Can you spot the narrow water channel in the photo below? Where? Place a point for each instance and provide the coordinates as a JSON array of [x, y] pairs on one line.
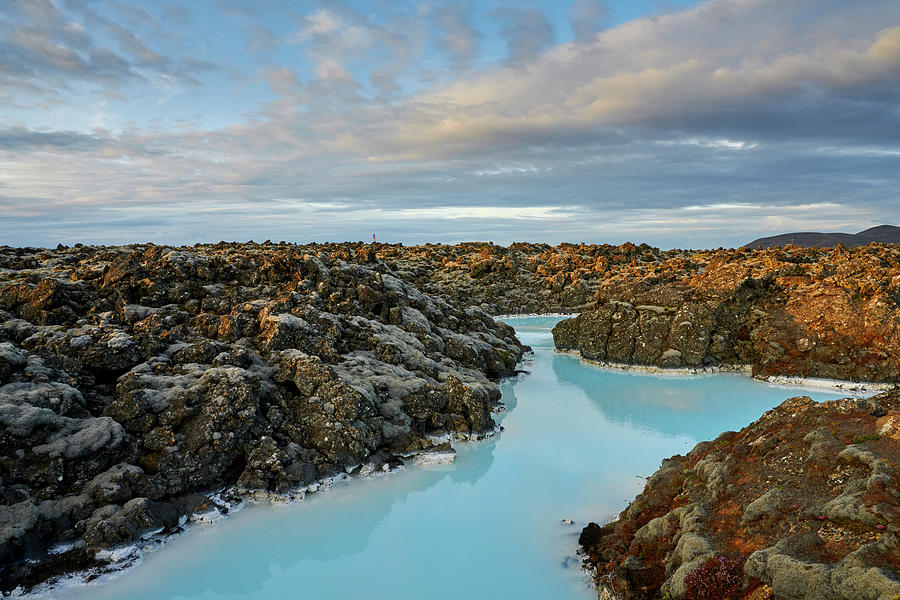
[[577, 443]]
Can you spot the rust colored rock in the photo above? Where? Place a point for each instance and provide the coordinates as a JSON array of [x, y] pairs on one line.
[[796, 312], [809, 494]]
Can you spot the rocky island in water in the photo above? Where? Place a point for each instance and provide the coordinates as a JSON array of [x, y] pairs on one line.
[[144, 387]]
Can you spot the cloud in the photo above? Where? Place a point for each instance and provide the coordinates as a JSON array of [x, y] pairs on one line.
[[37, 10], [322, 23], [21, 139], [46, 50], [779, 112], [136, 17], [527, 33], [177, 14], [282, 80], [456, 33], [336, 38], [587, 17], [748, 78], [261, 39], [129, 42], [32, 54]]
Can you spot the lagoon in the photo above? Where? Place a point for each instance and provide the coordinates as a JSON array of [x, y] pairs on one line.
[[577, 443]]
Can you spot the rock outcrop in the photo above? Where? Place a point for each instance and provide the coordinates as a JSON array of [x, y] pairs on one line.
[[805, 502], [796, 312], [135, 381], [520, 278]]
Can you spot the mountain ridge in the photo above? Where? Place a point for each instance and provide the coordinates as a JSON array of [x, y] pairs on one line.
[[885, 234]]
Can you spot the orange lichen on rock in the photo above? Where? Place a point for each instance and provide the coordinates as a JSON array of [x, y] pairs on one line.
[[797, 312], [809, 494]]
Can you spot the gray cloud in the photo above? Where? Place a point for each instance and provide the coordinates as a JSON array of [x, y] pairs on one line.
[[587, 17], [599, 192], [45, 49], [135, 17], [181, 69], [282, 80], [37, 10], [31, 53], [261, 39], [20, 139], [129, 42], [177, 15], [527, 33], [456, 33]]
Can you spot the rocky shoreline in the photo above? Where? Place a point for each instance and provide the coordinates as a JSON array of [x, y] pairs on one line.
[[810, 313], [137, 382], [853, 388], [803, 503], [92, 566]]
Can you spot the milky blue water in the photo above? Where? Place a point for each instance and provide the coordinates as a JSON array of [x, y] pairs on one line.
[[577, 442]]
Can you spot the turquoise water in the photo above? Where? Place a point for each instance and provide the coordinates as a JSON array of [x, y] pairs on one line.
[[576, 443]]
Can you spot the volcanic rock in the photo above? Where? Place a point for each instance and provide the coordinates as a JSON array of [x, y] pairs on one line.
[[137, 380], [808, 496], [796, 312]]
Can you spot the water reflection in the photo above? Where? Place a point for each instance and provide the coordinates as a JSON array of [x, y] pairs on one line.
[[256, 545], [327, 527], [478, 461], [508, 389], [693, 405]]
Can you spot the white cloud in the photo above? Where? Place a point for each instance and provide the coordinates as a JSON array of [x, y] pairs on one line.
[[543, 213], [318, 22], [653, 71], [721, 143]]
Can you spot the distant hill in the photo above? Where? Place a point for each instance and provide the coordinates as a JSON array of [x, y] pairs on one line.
[[886, 234]]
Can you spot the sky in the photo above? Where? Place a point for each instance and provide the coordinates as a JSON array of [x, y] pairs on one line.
[[678, 123]]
